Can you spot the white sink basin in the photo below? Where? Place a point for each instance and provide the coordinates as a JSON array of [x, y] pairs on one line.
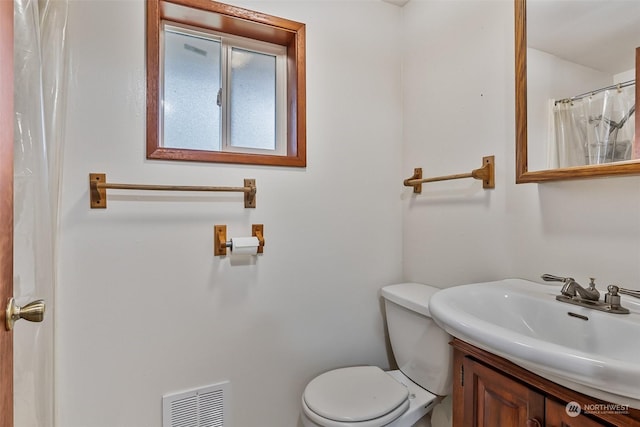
[[522, 322]]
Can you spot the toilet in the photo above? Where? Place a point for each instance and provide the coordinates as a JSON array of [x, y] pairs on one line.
[[367, 396]]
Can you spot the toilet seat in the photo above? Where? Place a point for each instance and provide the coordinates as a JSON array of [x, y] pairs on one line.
[[362, 396]]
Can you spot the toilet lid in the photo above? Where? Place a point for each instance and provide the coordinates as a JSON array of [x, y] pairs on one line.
[[354, 394]]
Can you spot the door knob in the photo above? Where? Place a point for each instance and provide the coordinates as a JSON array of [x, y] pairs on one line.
[[33, 312]]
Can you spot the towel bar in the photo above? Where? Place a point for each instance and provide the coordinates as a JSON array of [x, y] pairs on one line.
[[484, 173], [98, 186]]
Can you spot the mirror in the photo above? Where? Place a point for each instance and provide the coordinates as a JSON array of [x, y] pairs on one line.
[[576, 67]]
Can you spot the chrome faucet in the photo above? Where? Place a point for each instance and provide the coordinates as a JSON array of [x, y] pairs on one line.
[[589, 297], [570, 287]]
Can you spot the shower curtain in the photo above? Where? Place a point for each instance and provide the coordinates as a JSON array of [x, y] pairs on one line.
[[39, 95], [570, 134], [595, 129]]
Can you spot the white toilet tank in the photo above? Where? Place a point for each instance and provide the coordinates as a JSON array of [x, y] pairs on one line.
[[421, 348]]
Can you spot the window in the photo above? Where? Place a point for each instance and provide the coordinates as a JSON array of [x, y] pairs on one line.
[[224, 84], [221, 93]]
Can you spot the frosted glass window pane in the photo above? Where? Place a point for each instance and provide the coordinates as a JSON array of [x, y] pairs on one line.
[[253, 100], [191, 85]]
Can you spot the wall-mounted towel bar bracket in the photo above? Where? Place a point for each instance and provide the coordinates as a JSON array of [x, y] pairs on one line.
[[220, 242], [98, 186], [484, 173]]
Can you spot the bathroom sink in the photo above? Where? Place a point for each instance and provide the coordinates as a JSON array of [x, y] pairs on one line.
[[592, 352]]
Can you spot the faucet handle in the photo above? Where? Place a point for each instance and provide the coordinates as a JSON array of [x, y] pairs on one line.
[[552, 278], [630, 292], [568, 284], [592, 283], [613, 290]]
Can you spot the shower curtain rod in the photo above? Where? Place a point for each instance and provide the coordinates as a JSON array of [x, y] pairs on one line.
[[593, 92]]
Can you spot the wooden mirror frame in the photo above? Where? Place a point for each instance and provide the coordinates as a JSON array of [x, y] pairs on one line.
[[523, 175]]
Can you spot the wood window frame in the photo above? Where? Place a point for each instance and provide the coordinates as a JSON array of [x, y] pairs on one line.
[[241, 22]]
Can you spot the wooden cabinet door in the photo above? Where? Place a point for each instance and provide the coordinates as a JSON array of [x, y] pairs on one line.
[[492, 399], [557, 416]]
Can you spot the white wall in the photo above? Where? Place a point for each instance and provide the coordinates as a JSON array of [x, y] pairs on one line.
[[144, 308], [459, 106]]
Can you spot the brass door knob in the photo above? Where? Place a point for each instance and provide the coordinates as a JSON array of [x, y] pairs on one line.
[[33, 312]]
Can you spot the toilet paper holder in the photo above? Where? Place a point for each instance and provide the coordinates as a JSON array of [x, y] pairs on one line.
[[221, 243]]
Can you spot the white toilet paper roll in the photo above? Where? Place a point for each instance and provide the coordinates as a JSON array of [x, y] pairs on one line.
[[244, 245]]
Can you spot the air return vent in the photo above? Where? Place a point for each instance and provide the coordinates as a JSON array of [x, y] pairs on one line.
[[202, 407]]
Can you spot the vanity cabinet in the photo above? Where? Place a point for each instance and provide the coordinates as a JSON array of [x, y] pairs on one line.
[[496, 399], [489, 391]]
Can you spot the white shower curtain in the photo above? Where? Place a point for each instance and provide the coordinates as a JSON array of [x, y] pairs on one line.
[[595, 129], [40, 75], [570, 134]]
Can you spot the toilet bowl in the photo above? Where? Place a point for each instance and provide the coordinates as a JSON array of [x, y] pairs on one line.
[[367, 396]]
